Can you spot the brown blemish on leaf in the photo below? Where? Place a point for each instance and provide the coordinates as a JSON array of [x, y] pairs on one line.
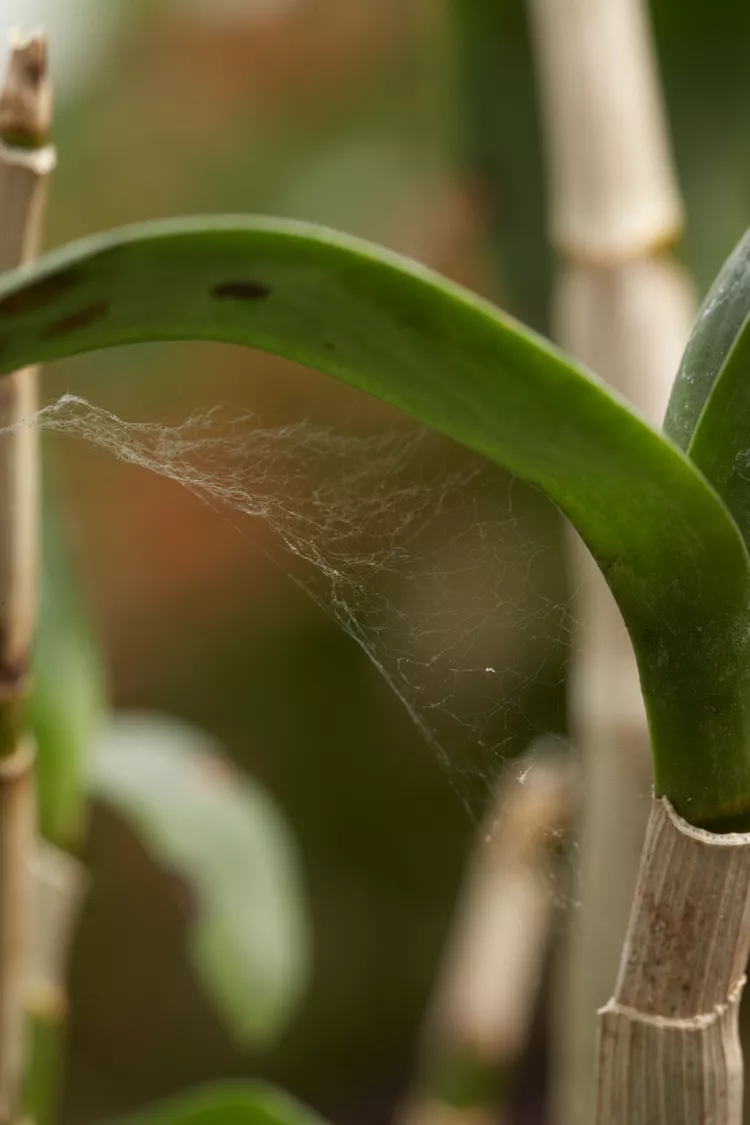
[[241, 291], [79, 319], [40, 294]]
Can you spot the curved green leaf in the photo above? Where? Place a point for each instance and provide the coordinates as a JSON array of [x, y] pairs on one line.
[[227, 1103], [721, 443], [219, 832], [717, 326], [666, 544], [716, 400]]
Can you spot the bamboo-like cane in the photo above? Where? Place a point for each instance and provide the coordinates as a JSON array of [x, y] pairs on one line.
[[25, 163], [485, 995], [17, 822], [626, 312], [59, 884], [669, 1047]]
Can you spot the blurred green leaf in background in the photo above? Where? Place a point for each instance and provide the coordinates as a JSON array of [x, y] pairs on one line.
[[229, 1103], [220, 834]]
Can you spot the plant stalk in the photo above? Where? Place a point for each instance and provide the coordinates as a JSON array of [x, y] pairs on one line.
[[669, 1047], [486, 992], [25, 163], [59, 883], [625, 311], [17, 824]]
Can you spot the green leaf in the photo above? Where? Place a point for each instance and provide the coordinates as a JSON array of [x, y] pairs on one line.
[[721, 443], [666, 544], [68, 703], [227, 1103], [220, 833], [716, 329], [718, 403]]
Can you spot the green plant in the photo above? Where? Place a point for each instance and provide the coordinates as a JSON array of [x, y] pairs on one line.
[[665, 527], [668, 547], [214, 830]]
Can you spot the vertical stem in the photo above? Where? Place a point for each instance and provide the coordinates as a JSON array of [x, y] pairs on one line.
[[669, 1048], [25, 162], [17, 822], [486, 993], [614, 192], [626, 312], [59, 884]]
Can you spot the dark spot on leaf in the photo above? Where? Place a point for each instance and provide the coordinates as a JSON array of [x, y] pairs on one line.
[[40, 294], [79, 319], [241, 291], [329, 346]]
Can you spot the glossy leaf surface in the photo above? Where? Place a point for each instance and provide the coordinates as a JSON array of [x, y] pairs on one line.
[[710, 404], [666, 544], [717, 326]]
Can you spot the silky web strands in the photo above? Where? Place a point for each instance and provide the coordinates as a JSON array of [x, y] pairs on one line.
[[435, 563]]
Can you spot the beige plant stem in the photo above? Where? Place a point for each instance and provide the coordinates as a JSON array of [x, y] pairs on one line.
[[669, 1048], [24, 172], [485, 994], [615, 197], [626, 312], [59, 884], [17, 823], [25, 163]]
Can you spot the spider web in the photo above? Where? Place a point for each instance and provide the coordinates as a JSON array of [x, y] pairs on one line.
[[427, 556]]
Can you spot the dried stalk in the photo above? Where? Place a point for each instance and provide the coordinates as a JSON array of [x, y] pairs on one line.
[[669, 1047], [25, 163], [59, 883], [626, 312], [615, 196], [485, 996], [24, 172], [17, 823]]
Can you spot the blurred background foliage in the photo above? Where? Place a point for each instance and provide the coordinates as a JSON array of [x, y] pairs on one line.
[[414, 123]]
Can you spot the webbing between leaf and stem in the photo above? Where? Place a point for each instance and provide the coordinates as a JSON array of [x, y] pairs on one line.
[[668, 547]]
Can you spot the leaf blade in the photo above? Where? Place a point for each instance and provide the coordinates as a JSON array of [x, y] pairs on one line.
[[720, 445], [227, 1103], [716, 329], [710, 406], [222, 836], [668, 547]]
